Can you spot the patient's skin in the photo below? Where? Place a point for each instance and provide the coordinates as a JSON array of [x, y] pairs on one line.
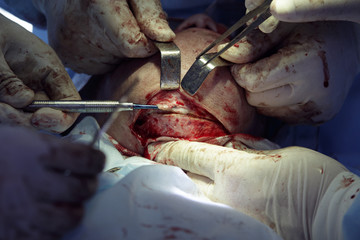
[[218, 108]]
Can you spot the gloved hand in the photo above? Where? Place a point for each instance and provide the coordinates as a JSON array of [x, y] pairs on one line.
[[307, 11], [93, 36], [298, 192], [30, 69], [303, 79], [44, 183]]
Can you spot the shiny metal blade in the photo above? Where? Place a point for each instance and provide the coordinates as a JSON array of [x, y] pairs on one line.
[[199, 71], [170, 65]]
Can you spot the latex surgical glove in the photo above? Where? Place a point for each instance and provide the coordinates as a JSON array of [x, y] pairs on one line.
[[269, 24], [299, 193], [30, 69], [307, 11], [44, 183], [94, 36], [303, 79]]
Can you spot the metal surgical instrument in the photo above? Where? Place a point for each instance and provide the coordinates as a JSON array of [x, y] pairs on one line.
[[170, 65], [86, 106], [205, 63]]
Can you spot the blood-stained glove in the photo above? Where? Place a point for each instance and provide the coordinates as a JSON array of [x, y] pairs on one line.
[[300, 193], [44, 183], [30, 69], [93, 36], [307, 11], [305, 77]]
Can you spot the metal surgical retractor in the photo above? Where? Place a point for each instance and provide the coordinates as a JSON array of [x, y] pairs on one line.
[[170, 65]]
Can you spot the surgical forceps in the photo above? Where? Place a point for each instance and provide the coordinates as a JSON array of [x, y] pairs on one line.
[[202, 67]]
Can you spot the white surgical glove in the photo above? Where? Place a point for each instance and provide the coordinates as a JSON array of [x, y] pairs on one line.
[[93, 36], [269, 24], [44, 183], [303, 79], [300, 193], [30, 69], [307, 11]]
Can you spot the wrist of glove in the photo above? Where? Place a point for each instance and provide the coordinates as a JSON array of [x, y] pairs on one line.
[[283, 188], [94, 36]]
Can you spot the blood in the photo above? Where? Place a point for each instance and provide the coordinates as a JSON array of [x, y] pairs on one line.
[[347, 182], [322, 55], [184, 120], [176, 229], [229, 109], [149, 95]]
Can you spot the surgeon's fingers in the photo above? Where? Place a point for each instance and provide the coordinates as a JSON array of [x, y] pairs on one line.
[[12, 90], [256, 44], [74, 158], [122, 28], [286, 66], [199, 158], [57, 86], [152, 19], [52, 120], [309, 11], [61, 187], [57, 218], [38, 66], [10, 115], [269, 24], [252, 4], [204, 184], [184, 155]]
